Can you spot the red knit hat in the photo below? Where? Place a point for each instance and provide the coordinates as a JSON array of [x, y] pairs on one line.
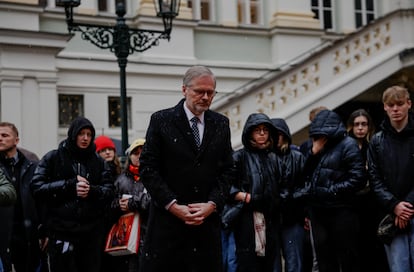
[[103, 142]]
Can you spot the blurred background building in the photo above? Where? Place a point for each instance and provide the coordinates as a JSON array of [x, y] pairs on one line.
[[282, 58]]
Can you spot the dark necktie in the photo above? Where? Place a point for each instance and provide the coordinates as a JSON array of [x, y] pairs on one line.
[[194, 127]]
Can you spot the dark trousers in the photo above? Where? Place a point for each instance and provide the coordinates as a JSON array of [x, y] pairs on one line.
[[336, 233], [24, 256], [83, 255]]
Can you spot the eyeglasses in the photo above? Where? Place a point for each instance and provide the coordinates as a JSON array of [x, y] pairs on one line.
[[201, 93], [362, 124]]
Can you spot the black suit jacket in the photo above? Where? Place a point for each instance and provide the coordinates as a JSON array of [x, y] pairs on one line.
[[173, 167]]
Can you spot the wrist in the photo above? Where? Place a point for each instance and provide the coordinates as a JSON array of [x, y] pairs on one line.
[[246, 198]]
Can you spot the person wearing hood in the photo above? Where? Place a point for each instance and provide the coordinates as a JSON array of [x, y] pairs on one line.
[[292, 210], [74, 185], [334, 172], [258, 173], [131, 196], [390, 167]]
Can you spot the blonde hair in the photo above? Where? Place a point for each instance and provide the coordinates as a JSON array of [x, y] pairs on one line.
[[395, 94], [315, 111]]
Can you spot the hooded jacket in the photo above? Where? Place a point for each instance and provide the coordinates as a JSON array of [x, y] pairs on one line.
[[335, 174], [258, 172], [54, 184], [390, 164], [294, 161]]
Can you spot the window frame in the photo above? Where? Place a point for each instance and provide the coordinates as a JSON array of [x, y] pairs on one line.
[[320, 14], [115, 114], [364, 12], [71, 116]]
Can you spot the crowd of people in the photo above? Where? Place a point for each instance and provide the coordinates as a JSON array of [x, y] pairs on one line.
[[269, 206]]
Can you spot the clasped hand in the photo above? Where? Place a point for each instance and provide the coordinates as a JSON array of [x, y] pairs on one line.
[[192, 214], [403, 211], [82, 187]]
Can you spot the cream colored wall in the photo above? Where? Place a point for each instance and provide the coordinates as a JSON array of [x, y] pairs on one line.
[[39, 60]]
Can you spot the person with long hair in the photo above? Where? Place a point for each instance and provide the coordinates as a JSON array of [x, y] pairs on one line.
[[360, 126], [106, 148]]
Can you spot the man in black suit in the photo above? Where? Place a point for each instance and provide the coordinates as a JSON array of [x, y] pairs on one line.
[[187, 176]]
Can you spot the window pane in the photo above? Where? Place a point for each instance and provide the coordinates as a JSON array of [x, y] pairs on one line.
[[327, 3], [114, 111], [253, 14], [369, 5], [314, 3], [327, 19], [358, 19], [102, 5], [70, 107], [358, 4], [205, 10]]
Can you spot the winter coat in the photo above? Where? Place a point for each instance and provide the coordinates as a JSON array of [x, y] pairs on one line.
[[293, 161], [140, 200], [258, 172], [335, 174], [7, 191], [54, 184], [21, 220], [390, 164], [30, 220], [173, 167]]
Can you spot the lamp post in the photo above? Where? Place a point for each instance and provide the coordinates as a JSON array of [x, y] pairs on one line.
[[123, 40]]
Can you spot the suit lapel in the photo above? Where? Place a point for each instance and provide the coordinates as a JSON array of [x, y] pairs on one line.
[[209, 130]]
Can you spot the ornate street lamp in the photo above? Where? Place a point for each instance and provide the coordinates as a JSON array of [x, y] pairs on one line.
[[123, 40]]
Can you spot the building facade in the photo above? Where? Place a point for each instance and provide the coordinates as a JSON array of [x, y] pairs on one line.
[[260, 50]]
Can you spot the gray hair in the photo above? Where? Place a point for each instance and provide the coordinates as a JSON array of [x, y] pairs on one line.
[[197, 71]]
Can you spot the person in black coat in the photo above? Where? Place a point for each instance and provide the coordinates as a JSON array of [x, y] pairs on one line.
[[390, 167], [360, 126], [334, 172], [258, 174], [188, 183], [292, 210], [19, 246], [74, 185]]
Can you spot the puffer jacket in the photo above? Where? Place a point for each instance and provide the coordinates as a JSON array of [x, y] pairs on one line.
[[335, 174], [258, 172], [54, 185], [390, 164], [294, 161]]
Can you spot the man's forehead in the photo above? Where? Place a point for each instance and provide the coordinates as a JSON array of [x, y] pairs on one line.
[[6, 130]]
